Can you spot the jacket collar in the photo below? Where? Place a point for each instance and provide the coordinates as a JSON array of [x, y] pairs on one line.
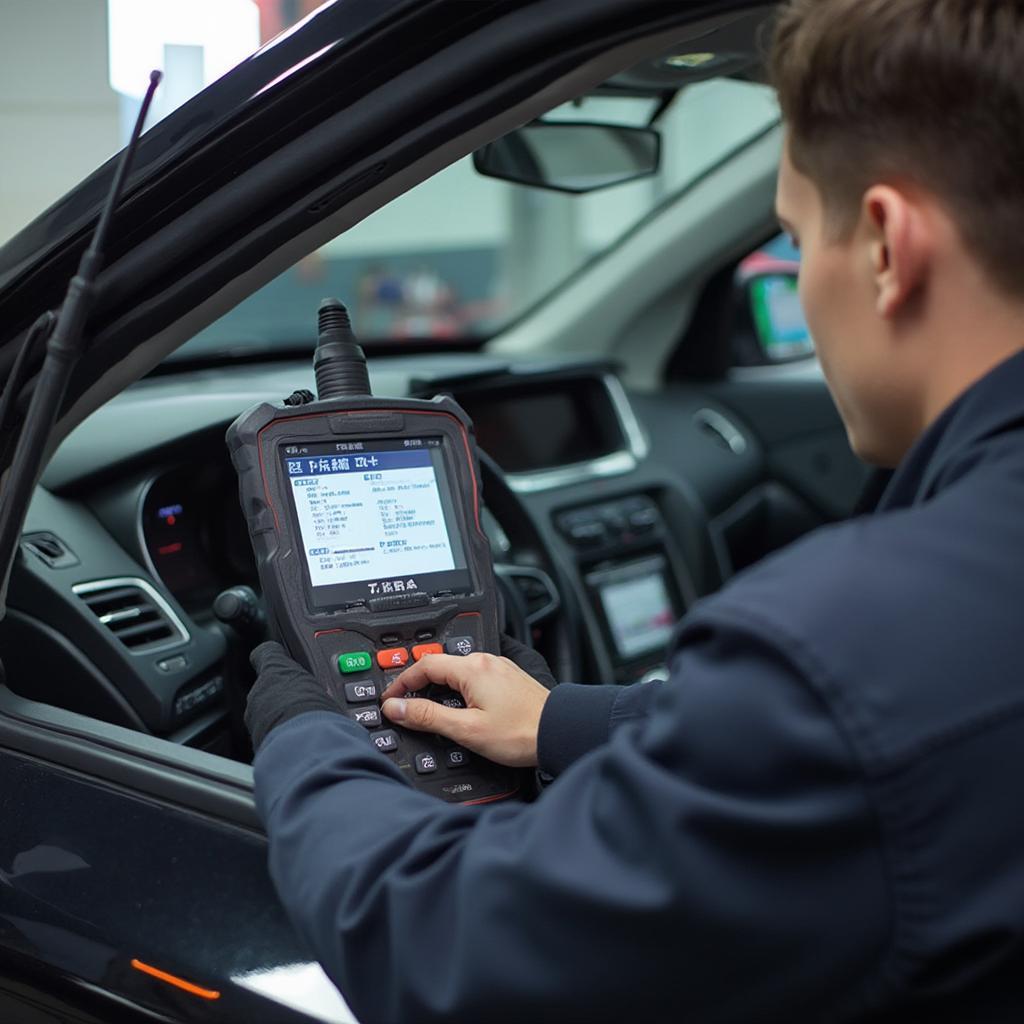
[[992, 405]]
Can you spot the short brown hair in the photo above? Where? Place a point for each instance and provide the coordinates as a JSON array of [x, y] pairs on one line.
[[926, 91]]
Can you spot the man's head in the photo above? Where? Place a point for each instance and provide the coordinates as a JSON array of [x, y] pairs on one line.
[[903, 181]]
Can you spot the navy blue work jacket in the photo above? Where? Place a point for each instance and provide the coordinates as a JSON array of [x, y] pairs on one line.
[[819, 816]]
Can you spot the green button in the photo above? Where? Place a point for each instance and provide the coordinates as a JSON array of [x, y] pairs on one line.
[[356, 661]]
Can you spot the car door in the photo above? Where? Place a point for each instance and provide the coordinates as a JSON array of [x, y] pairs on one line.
[[134, 890], [134, 871]]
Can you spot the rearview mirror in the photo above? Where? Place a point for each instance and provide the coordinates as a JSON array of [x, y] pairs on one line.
[[571, 156], [780, 328]]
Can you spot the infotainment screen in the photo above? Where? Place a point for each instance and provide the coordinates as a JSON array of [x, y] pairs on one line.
[[637, 605], [375, 518], [544, 424]]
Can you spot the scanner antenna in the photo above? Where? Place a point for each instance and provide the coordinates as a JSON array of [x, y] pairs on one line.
[[63, 351]]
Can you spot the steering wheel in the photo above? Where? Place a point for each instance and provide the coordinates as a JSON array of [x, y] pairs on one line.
[[535, 592]]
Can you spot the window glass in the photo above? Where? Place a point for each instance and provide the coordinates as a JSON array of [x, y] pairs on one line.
[[462, 255]]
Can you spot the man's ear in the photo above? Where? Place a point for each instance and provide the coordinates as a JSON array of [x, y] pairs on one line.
[[898, 247]]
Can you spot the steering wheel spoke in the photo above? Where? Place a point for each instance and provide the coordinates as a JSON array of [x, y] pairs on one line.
[[540, 598], [536, 594]]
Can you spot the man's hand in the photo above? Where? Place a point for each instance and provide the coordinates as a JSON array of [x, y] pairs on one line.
[[503, 703]]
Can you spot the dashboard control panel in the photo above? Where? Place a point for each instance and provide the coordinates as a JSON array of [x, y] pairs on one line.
[[633, 585], [612, 525]]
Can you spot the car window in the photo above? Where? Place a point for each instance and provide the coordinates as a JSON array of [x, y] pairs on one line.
[[461, 255]]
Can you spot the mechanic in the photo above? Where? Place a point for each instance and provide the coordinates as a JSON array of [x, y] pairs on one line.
[[819, 815]]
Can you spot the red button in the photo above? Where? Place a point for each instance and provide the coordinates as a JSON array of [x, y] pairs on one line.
[[393, 657], [420, 649]]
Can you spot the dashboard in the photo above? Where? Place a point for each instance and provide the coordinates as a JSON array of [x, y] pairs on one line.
[[608, 513], [193, 534]]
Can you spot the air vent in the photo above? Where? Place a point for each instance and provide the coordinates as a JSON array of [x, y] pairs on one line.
[[134, 612]]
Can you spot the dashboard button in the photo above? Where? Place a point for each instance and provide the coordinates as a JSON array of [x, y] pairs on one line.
[[356, 692], [643, 519], [354, 661], [585, 534], [425, 764], [176, 664], [423, 635], [460, 645], [457, 758], [421, 649], [393, 657]]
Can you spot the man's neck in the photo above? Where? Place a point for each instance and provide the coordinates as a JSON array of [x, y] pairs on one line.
[[970, 331]]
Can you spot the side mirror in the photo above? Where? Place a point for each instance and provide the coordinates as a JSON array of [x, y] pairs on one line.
[[571, 156], [770, 306]]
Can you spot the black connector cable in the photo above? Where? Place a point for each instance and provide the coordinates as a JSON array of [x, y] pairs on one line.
[[62, 353]]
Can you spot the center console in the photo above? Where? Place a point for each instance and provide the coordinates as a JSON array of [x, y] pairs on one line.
[[575, 429], [634, 585]]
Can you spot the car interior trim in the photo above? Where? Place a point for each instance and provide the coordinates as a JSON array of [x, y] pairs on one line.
[[714, 422], [614, 464], [140, 530], [552, 602], [114, 703], [185, 776]]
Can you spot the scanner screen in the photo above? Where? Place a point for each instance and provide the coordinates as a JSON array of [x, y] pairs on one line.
[[374, 511]]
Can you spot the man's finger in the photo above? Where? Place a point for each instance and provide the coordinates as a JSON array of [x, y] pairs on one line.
[[427, 716], [449, 670], [411, 679]]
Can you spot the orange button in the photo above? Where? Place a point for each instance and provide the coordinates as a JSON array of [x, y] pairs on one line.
[[420, 649], [393, 657]]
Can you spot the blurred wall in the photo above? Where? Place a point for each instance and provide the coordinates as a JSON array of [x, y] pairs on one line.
[[51, 136]]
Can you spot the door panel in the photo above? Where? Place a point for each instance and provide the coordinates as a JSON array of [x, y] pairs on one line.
[[96, 878]]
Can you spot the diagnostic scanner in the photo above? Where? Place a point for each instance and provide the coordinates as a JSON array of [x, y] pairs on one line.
[[364, 515]]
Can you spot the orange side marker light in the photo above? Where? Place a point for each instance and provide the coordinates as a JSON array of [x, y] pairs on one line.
[[185, 986]]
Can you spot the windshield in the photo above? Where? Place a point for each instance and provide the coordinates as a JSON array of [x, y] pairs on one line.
[[460, 256]]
